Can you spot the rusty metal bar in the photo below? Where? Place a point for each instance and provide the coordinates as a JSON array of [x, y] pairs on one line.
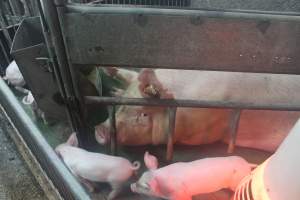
[[188, 103], [234, 125], [171, 132], [113, 131]]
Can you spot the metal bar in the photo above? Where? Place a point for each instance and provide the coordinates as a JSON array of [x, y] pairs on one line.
[[234, 125], [113, 131], [3, 25], [234, 14], [171, 132], [53, 23], [54, 63], [4, 52], [61, 177], [188, 103], [15, 8], [221, 48]]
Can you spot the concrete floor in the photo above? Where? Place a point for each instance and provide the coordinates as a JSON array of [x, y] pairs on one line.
[[16, 180]]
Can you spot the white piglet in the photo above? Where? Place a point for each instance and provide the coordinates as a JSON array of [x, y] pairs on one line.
[[14, 77], [182, 180], [96, 167]]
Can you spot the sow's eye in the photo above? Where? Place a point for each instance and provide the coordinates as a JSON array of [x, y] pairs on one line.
[[144, 115]]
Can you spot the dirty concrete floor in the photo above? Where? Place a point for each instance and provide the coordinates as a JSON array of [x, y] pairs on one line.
[[16, 180]]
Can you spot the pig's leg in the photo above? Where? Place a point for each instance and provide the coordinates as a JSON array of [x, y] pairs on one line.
[[22, 90], [88, 184], [116, 188]]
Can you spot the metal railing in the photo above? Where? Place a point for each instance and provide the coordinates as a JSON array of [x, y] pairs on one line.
[[75, 43]]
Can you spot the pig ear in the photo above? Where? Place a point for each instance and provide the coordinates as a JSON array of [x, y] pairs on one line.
[[150, 161], [72, 141], [148, 84]]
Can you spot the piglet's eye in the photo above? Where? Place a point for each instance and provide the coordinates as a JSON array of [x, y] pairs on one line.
[[144, 115]]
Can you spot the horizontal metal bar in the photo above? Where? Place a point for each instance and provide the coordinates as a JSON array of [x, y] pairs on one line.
[[182, 39], [239, 14], [188, 103]]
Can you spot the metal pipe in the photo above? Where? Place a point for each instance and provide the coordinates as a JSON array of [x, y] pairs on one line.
[[233, 129], [171, 132], [64, 181], [52, 19], [188, 103], [233, 14], [113, 131], [3, 25], [54, 63]]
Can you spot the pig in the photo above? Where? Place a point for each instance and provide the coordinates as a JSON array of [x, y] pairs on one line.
[[96, 167], [36, 111], [15, 78], [264, 129], [182, 180]]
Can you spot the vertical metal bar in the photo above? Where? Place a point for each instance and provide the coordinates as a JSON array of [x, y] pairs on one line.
[[113, 130], [234, 125], [58, 51], [4, 52], [3, 25], [171, 131]]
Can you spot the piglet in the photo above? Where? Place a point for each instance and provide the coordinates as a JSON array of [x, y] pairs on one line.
[[96, 167], [14, 77], [36, 111], [182, 180]]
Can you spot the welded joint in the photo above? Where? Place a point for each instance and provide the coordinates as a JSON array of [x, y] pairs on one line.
[[233, 129], [171, 131]]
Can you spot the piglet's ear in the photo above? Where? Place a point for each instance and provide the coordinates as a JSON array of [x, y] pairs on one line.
[[150, 161], [72, 141]]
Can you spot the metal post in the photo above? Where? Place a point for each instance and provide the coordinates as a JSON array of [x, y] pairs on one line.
[[4, 52], [234, 125], [3, 25], [15, 7], [171, 131], [113, 131], [64, 71]]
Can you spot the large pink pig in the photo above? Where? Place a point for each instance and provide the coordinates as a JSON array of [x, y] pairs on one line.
[[137, 125], [96, 167], [182, 180]]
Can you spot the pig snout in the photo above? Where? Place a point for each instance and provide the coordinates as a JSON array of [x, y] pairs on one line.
[[102, 134]]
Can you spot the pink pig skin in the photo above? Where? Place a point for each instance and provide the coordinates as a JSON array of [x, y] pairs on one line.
[[96, 167], [181, 181], [137, 125]]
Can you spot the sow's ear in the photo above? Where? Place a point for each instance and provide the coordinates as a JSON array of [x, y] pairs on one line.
[[150, 161], [72, 141], [148, 84]]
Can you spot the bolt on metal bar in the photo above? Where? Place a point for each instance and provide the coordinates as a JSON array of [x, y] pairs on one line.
[[113, 131], [188, 103], [171, 132], [234, 125]]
